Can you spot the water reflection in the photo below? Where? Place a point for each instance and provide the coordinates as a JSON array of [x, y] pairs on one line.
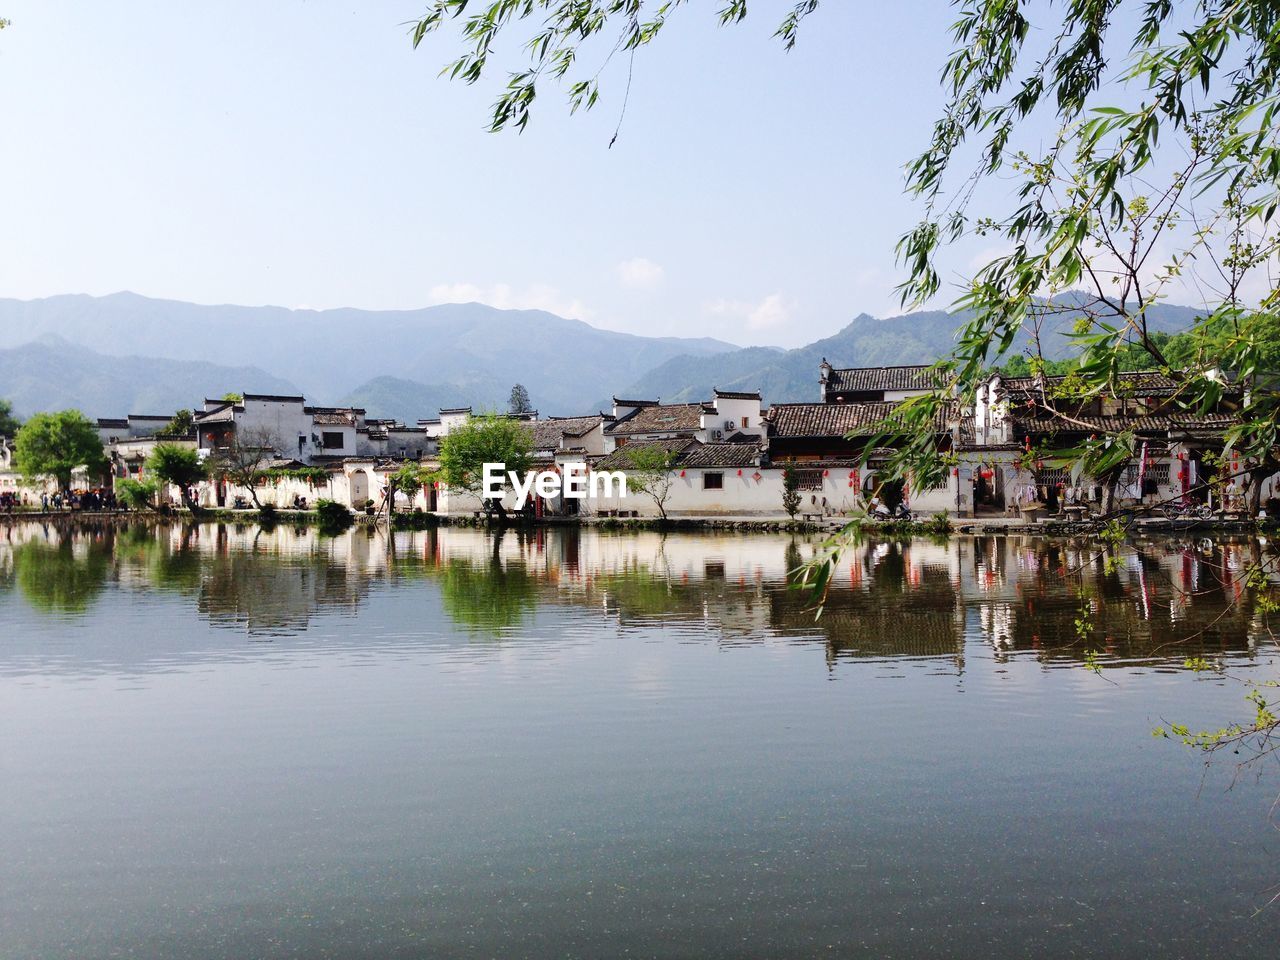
[[576, 743], [1152, 601]]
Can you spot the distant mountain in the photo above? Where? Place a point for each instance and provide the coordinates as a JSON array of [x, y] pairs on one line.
[[478, 350], [792, 375], [408, 401], [52, 374]]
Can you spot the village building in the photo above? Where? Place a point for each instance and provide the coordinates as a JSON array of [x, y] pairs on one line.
[[718, 479], [728, 417], [875, 384], [1019, 421]]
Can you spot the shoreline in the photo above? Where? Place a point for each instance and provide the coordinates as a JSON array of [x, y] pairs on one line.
[[966, 526]]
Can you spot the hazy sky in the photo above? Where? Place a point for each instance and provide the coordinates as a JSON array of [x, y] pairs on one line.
[[301, 153]]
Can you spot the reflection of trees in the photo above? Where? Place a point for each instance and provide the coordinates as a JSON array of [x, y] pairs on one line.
[[490, 597], [148, 553], [60, 578]]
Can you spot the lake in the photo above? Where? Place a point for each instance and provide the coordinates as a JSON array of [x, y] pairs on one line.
[[223, 741]]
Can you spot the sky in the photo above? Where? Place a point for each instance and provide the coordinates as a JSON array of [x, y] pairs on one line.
[[303, 154]]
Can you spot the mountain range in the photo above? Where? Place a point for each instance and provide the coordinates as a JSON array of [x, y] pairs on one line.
[[126, 353]]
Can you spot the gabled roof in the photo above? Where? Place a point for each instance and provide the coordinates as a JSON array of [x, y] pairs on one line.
[[1043, 421], [688, 453], [660, 418], [1137, 383], [871, 379], [703, 455], [840, 419], [547, 434], [335, 418]]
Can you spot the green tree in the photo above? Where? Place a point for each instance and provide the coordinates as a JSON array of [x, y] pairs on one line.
[[137, 494], [183, 424], [56, 444], [649, 470], [409, 478], [519, 401], [790, 491], [178, 466], [9, 424], [487, 438]]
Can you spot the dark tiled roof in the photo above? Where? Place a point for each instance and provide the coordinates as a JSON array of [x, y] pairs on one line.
[[445, 410], [688, 453], [620, 402], [837, 419], [660, 418], [334, 419], [1138, 383], [736, 394], [919, 377], [1045, 422], [701, 455], [105, 422], [547, 434], [224, 413], [620, 459], [273, 398]]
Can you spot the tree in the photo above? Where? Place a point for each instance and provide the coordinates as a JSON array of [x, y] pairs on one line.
[[487, 438], [183, 424], [410, 477], [179, 466], [56, 444], [519, 402], [649, 471], [137, 494], [244, 459], [790, 491], [9, 424]]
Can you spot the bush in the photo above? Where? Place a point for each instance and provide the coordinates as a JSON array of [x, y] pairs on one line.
[[333, 515], [136, 494]]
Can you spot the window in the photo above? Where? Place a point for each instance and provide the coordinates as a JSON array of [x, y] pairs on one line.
[[713, 481], [808, 479], [332, 440], [746, 422]]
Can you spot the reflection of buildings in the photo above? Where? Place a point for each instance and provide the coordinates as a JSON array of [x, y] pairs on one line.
[[952, 601]]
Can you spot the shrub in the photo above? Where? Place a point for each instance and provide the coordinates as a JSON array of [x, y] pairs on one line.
[[136, 494], [333, 515]]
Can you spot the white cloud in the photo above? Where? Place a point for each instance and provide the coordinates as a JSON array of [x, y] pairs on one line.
[[639, 273], [772, 312], [538, 296]]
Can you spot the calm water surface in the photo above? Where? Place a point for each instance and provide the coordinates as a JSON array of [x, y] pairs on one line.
[[220, 741]]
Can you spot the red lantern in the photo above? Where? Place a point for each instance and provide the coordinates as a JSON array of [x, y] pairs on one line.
[[826, 473], [682, 473], [739, 473]]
